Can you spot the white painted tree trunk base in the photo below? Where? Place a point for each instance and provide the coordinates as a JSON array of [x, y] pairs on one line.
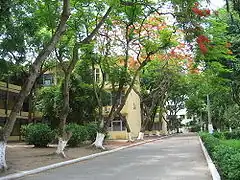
[[140, 136], [230, 129], [130, 139], [158, 133], [61, 146], [3, 164], [98, 143], [210, 128]]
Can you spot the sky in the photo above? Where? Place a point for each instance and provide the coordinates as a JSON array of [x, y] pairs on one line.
[[215, 4]]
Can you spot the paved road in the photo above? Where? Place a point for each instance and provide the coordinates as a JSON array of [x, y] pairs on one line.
[[175, 158]]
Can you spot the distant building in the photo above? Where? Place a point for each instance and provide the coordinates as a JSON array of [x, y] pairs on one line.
[[131, 111], [185, 119], [8, 96]]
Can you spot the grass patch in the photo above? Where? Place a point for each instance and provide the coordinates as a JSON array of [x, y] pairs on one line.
[[232, 142]]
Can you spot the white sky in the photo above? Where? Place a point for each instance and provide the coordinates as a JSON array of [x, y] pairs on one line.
[[215, 4]]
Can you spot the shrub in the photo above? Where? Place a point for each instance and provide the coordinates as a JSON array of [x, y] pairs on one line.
[[25, 129], [232, 135], [195, 128], [234, 167], [236, 134], [219, 135], [227, 158], [210, 142], [40, 135], [232, 142], [92, 129], [228, 161], [79, 134]]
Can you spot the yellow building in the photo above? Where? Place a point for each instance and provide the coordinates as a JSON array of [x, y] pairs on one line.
[[8, 95], [131, 111]]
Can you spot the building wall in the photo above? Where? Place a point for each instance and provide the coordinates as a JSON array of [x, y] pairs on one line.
[[117, 134], [134, 113], [8, 95]]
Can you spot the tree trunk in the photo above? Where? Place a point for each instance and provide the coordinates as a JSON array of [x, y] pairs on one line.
[[144, 122], [65, 108], [63, 135], [129, 133], [62, 143], [98, 143], [3, 163], [34, 71], [30, 106]]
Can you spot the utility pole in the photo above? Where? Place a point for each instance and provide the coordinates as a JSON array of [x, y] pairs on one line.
[[210, 126]]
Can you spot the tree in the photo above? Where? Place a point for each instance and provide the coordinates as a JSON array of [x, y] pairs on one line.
[[65, 51], [33, 73], [177, 95], [140, 37], [161, 81]]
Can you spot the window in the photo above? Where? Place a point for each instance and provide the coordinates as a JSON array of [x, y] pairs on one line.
[[117, 125], [134, 106], [47, 82], [47, 79], [97, 75]]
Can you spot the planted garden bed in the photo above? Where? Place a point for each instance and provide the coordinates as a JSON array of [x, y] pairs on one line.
[[225, 152]]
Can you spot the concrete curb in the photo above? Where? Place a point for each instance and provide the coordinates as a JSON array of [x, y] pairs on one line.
[[52, 166], [213, 170]]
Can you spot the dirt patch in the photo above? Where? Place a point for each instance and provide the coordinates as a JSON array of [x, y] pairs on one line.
[[21, 157]]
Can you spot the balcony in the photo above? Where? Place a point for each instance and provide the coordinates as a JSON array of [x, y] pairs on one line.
[[22, 114], [11, 87]]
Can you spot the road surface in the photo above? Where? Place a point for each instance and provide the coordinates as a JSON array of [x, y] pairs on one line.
[[174, 158]]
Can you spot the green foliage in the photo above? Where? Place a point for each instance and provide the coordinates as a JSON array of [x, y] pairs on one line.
[[225, 155], [81, 93], [82, 102], [210, 142], [219, 135], [92, 129], [25, 129], [48, 102], [232, 135], [40, 135], [228, 135], [232, 142], [232, 116], [79, 134], [195, 128]]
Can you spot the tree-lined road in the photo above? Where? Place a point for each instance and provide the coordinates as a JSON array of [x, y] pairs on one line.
[[175, 158]]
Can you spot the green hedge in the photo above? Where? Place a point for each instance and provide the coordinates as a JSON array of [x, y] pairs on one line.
[[79, 134], [92, 129], [40, 135], [232, 135], [226, 158], [227, 135]]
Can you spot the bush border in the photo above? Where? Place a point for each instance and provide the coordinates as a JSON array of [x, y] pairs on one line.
[[211, 166]]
